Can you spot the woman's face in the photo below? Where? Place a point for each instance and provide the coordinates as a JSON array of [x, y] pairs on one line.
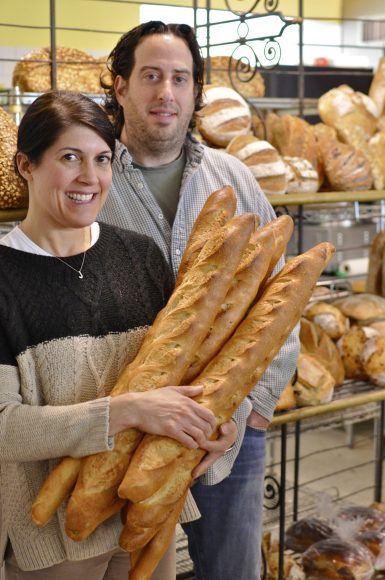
[[69, 186]]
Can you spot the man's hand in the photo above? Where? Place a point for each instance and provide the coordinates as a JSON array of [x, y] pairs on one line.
[[256, 421], [228, 434]]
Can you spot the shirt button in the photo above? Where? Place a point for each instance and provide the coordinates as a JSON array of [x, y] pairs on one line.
[[177, 252], [140, 185], [160, 216]]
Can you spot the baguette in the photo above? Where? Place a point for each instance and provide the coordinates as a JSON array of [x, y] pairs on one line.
[[165, 354], [238, 366], [219, 208], [146, 560], [266, 247], [56, 487]]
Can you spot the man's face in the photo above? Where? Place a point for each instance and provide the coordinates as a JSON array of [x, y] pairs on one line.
[[158, 98]]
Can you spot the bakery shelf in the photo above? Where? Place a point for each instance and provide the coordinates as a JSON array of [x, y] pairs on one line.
[[325, 197], [354, 401], [11, 215]]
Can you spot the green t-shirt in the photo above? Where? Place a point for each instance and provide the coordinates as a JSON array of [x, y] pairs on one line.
[[164, 183]]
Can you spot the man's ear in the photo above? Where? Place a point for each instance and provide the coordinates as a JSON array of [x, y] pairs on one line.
[[120, 88], [23, 165]]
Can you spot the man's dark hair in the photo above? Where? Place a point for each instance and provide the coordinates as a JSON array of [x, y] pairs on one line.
[[121, 62]]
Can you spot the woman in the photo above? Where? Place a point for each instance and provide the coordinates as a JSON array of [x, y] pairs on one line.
[[76, 298]]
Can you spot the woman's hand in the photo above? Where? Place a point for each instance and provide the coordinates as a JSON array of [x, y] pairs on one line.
[[228, 434], [166, 411]]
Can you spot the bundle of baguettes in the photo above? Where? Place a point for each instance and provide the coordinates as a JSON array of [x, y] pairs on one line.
[[162, 465], [163, 358]]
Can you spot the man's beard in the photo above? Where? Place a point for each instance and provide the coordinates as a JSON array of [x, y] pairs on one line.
[[156, 139]]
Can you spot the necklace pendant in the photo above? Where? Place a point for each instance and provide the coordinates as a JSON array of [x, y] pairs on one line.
[[80, 276]]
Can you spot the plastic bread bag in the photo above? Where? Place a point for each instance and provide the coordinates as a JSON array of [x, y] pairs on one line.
[[337, 559], [368, 518], [305, 532]]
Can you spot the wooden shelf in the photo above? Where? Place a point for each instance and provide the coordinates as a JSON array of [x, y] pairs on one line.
[[325, 197], [11, 215]]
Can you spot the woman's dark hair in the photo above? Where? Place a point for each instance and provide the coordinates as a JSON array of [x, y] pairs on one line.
[[54, 112], [121, 62]]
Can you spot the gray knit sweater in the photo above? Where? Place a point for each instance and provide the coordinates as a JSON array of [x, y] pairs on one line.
[[63, 343]]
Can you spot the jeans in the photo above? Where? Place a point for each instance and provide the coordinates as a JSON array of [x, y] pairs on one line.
[[225, 543]]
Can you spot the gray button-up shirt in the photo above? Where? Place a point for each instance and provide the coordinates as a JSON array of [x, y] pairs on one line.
[[131, 205]]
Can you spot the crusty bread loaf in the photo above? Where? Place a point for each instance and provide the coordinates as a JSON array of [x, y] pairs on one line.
[[287, 399], [375, 151], [377, 86], [302, 177], [314, 384], [238, 366], [350, 346], [373, 360], [348, 110], [315, 341], [263, 160], [219, 207], [361, 306], [374, 284], [329, 318], [164, 356], [265, 248], [225, 115], [345, 167], [76, 71], [13, 189], [237, 75], [293, 137]]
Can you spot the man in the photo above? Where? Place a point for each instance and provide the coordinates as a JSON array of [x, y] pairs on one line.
[[162, 177]]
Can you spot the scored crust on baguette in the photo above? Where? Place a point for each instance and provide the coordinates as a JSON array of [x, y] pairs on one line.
[[263, 252], [219, 207], [237, 367], [163, 358]]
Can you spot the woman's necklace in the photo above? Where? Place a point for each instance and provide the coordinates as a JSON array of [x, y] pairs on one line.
[[72, 268]]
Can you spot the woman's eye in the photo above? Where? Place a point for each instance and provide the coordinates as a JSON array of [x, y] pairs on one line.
[[105, 159], [69, 156]]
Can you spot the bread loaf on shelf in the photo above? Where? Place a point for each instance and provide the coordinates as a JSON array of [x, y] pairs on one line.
[[374, 280], [328, 317], [302, 177], [373, 359], [13, 189], [348, 110], [361, 306], [315, 341], [263, 160], [314, 384], [377, 86], [350, 346], [76, 71], [228, 378], [225, 115], [293, 137], [235, 74], [164, 356]]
